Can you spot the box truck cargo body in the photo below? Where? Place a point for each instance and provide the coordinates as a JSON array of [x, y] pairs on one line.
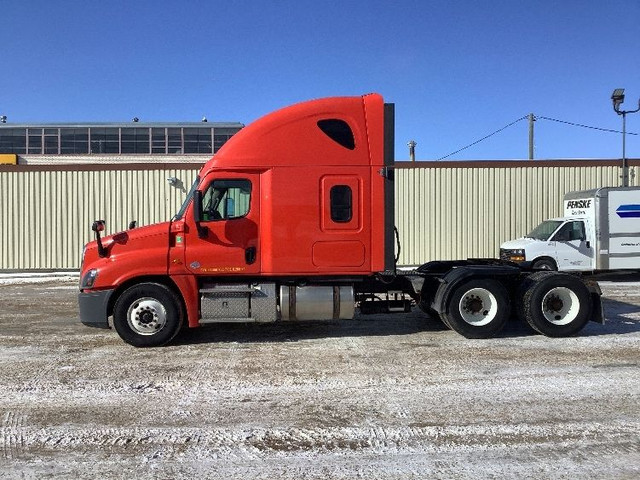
[[600, 230]]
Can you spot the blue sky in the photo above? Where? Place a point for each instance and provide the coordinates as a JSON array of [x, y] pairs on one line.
[[456, 70]]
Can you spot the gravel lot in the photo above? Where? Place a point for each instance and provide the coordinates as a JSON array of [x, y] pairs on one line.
[[396, 397]]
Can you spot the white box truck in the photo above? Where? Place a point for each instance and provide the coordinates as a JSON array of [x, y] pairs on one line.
[[600, 231]]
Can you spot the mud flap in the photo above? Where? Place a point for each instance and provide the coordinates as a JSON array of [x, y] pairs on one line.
[[597, 310]]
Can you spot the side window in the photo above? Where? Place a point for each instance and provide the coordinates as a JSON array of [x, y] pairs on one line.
[[577, 231], [563, 234], [341, 203], [570, 231], [226, 199]]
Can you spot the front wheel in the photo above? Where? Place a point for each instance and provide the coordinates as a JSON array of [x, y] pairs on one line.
[[555, 304], [147, 315], [478, 308], [544, 264]]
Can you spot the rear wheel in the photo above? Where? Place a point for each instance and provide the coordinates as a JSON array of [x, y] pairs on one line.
[[478, 308], [555, 304], [147, 315]]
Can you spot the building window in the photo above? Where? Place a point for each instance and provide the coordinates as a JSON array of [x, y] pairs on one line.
[[13, 140], [197, 140], [35, 140], [174, 140], [158, 140], [134, 140], [341, 204], [51, 143], [221, 135], [105, 140], [72, 141], [78, 140]]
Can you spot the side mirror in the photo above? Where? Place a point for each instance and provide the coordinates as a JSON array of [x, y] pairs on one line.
[[97, 227], [197, 214]]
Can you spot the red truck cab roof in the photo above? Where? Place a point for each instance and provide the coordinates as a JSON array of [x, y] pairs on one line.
[[335, 131]]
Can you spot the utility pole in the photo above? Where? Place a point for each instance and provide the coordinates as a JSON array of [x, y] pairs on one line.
[[532, 118]]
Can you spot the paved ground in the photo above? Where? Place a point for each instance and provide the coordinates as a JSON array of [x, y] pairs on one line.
[[376, 398]]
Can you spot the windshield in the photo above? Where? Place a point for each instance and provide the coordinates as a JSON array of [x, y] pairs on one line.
[[544, 230], [180, 213]]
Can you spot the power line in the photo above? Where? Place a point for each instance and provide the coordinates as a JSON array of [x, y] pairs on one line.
[[583, 126], [536, 117], [484, 138]]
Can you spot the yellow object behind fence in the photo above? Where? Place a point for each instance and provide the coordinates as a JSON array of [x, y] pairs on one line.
[[8, 159]]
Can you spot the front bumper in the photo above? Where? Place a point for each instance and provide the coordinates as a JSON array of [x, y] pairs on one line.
[[94, 308]]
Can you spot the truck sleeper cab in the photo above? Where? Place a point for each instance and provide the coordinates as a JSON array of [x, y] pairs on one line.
[[292, 220]]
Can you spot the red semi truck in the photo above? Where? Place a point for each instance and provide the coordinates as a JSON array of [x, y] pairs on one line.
[[293, 219]]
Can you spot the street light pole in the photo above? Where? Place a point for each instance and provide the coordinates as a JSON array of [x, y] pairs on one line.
[[625, 167], [618, 98]]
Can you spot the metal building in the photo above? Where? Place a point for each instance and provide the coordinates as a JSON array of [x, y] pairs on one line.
[[116, 142]]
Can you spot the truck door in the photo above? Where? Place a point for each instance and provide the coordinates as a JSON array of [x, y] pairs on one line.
[[574, 250], [229, 242]]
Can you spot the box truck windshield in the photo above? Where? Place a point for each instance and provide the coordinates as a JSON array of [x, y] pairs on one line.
[[544, 230]]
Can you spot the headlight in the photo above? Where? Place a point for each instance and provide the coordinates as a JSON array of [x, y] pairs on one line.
[[89, 279], [514, 255]]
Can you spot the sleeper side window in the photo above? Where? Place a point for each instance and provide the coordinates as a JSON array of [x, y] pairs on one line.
[[226, 200], [341, 203], [339, 131]]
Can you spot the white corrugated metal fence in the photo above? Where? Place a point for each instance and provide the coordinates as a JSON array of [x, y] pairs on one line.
[[442, 211]]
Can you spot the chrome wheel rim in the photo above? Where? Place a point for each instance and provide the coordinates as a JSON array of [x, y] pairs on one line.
[[146, 316]]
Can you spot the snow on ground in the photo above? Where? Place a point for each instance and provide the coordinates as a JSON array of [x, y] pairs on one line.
[[398, 397]]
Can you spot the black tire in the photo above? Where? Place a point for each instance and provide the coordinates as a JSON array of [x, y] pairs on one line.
[[545, 264], [443, 318], [478, 308], [148, 315], [555, 304]]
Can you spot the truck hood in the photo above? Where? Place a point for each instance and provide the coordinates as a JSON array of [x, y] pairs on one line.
[[136, 236], [136, 252], [521, 242], [141, 238]]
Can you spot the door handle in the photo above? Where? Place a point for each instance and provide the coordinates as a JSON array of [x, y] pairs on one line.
[[250, 255]]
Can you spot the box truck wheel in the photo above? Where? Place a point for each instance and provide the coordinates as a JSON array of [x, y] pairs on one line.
[[147, 315], [544, 264], [555, 304], [477, 308]]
